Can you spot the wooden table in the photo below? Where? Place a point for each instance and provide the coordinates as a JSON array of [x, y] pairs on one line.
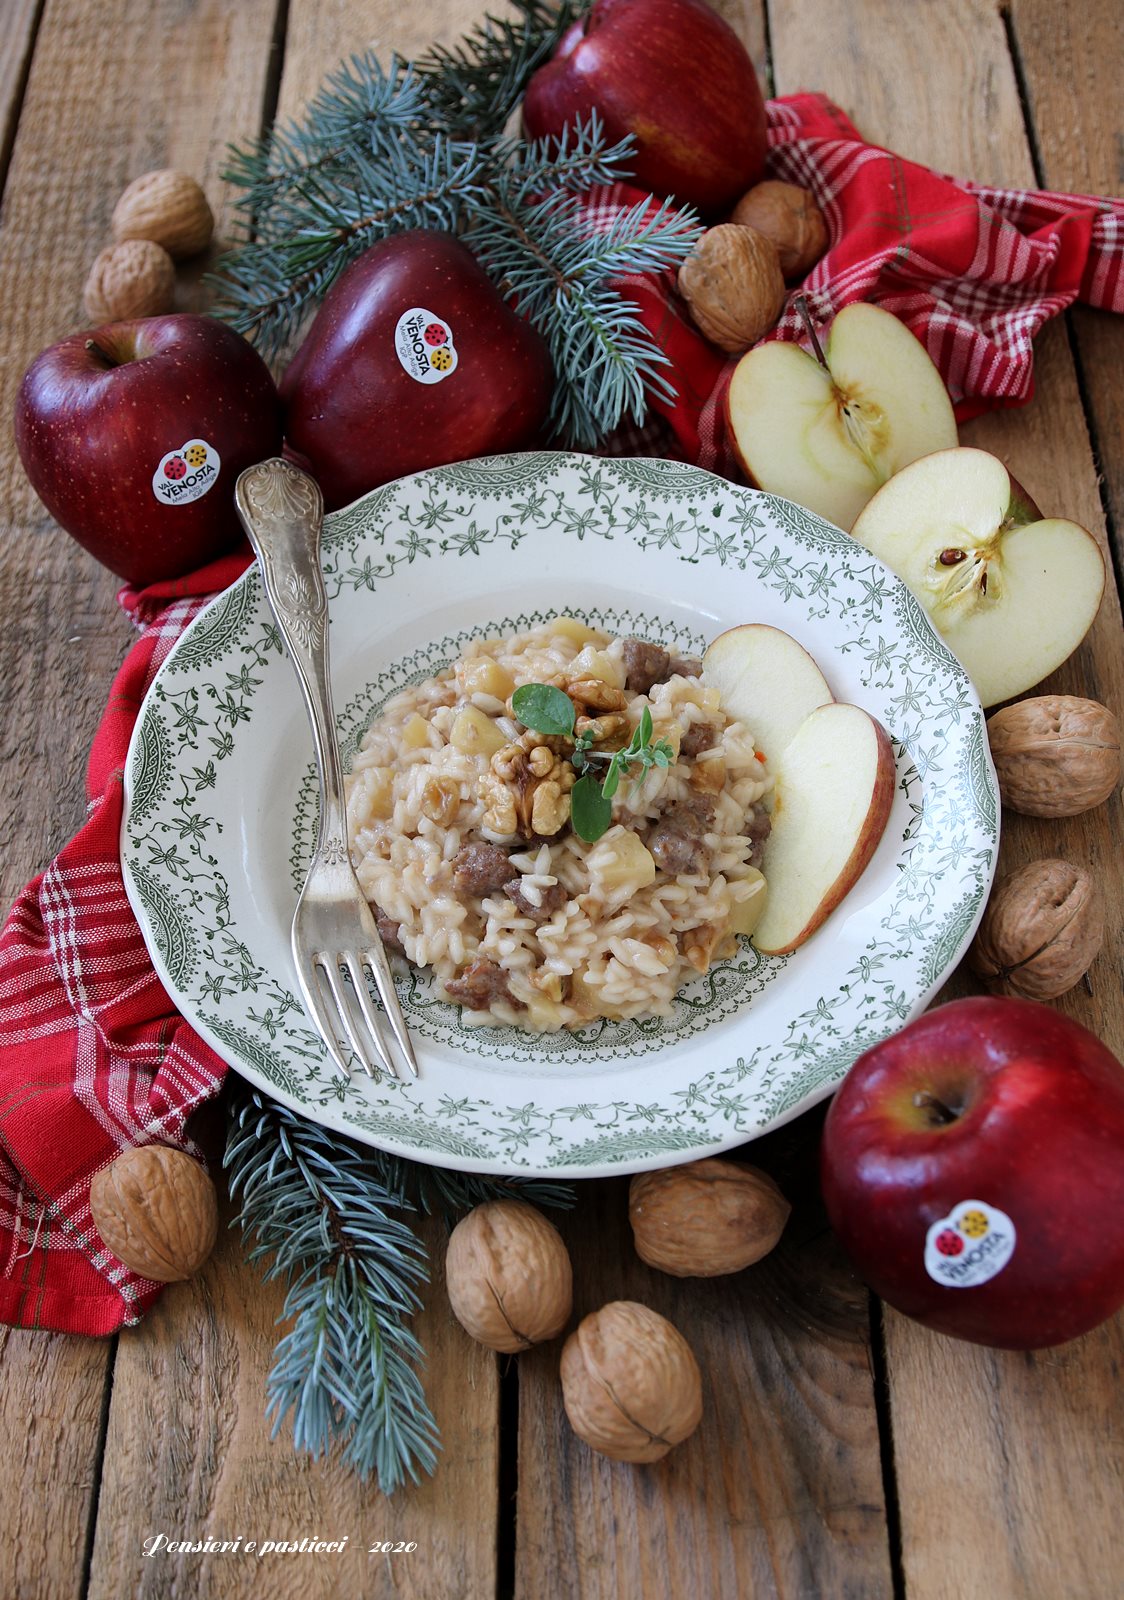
[[844, 1451]]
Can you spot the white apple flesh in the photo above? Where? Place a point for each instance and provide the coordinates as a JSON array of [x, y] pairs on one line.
[[1012, 594], [766, 680], [834, 787], [829, 436]]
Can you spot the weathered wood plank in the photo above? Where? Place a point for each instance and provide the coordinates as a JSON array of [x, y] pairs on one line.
[[188, 1454], [178, 81], [20, 22], [1072, 58], [93, 115], [779, 1492], [51, 1421], [200, 1363], [980, 1439]]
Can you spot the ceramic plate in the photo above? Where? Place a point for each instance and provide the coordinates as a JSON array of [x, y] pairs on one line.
[[220, 810]]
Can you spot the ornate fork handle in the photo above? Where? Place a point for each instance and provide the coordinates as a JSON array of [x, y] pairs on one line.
[[282, 511]]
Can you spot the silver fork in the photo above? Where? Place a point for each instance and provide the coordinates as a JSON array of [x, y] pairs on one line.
[[334, 933]]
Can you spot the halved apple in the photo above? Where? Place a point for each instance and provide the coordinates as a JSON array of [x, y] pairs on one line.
[[766, 680], [1012, 593], [834, 787], [828, 436]]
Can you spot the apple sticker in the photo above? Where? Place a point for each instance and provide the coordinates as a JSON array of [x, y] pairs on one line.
[[184, 474], [424, 345], [970, 1245]]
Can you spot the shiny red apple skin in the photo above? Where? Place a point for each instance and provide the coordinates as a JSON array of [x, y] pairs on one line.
[[91, 436], [675, 75], [359, 418], [1041, 1137]]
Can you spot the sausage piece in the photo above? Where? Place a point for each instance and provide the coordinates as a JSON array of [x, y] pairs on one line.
[[759, 828], [552, 897], [644, 664], [685, 667], [479, 868], [699, 736], [676, 842], [480, 984], [390, 932]]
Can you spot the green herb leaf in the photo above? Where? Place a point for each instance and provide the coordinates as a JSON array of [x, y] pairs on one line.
[[544, 708], [612, 779], [590, 810], [644, 731]]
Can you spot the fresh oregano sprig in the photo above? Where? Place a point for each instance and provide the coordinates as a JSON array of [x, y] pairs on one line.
[[548, 710]]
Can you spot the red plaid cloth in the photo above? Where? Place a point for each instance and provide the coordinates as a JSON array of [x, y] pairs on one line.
[[93, 1059], [973, 271]]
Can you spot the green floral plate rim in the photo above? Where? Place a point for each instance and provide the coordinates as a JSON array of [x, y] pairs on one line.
[[220, 810]]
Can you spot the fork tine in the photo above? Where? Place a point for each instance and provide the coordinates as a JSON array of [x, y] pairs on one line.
[[370, 1015], [319, 1014], [328, 965], [375, 957]]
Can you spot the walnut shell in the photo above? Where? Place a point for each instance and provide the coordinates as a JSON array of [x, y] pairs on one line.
[[1056, 755], [733, 286], [1041, 932], [508, 1275], [630, 1383], [167, 207], [133, 279], [706, 1217], [788, 216], [155, 1209]]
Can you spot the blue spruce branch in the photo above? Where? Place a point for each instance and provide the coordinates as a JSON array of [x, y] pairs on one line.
[[318, 1209], [422, 145]]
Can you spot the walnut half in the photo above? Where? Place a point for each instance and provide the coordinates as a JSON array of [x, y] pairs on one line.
[[526, 790]]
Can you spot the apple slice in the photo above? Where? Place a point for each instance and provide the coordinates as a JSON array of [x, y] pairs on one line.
[[1012, 593], [767, 681], [834, 789], [828, 435]]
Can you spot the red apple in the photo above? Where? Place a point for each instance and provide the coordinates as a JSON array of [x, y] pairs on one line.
[[973, 1168], [134, 434], [675, 75], [414, 359]]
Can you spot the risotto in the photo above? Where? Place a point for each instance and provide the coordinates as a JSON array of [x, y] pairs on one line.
[[465, 843]]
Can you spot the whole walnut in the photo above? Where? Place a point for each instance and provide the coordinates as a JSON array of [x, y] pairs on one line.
[[630, 1382], [1055, 755], [788, 216], [705, 1218], [508, 1276], [167, 207], [1041, 932], [733, 286], [155, 1209], [133, 279]]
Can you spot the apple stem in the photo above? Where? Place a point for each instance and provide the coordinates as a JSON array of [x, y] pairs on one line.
[[939, 1114], [96, 349], [801, 304]]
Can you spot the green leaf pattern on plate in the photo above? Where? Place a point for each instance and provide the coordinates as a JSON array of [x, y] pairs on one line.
[[177, 860]]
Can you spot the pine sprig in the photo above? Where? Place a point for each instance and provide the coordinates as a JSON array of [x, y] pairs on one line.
[[422, 146], [473, 87], [318, 1209]]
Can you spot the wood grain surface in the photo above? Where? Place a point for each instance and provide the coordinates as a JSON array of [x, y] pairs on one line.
[[780, 1490], [838, 1455], [938, 83]]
